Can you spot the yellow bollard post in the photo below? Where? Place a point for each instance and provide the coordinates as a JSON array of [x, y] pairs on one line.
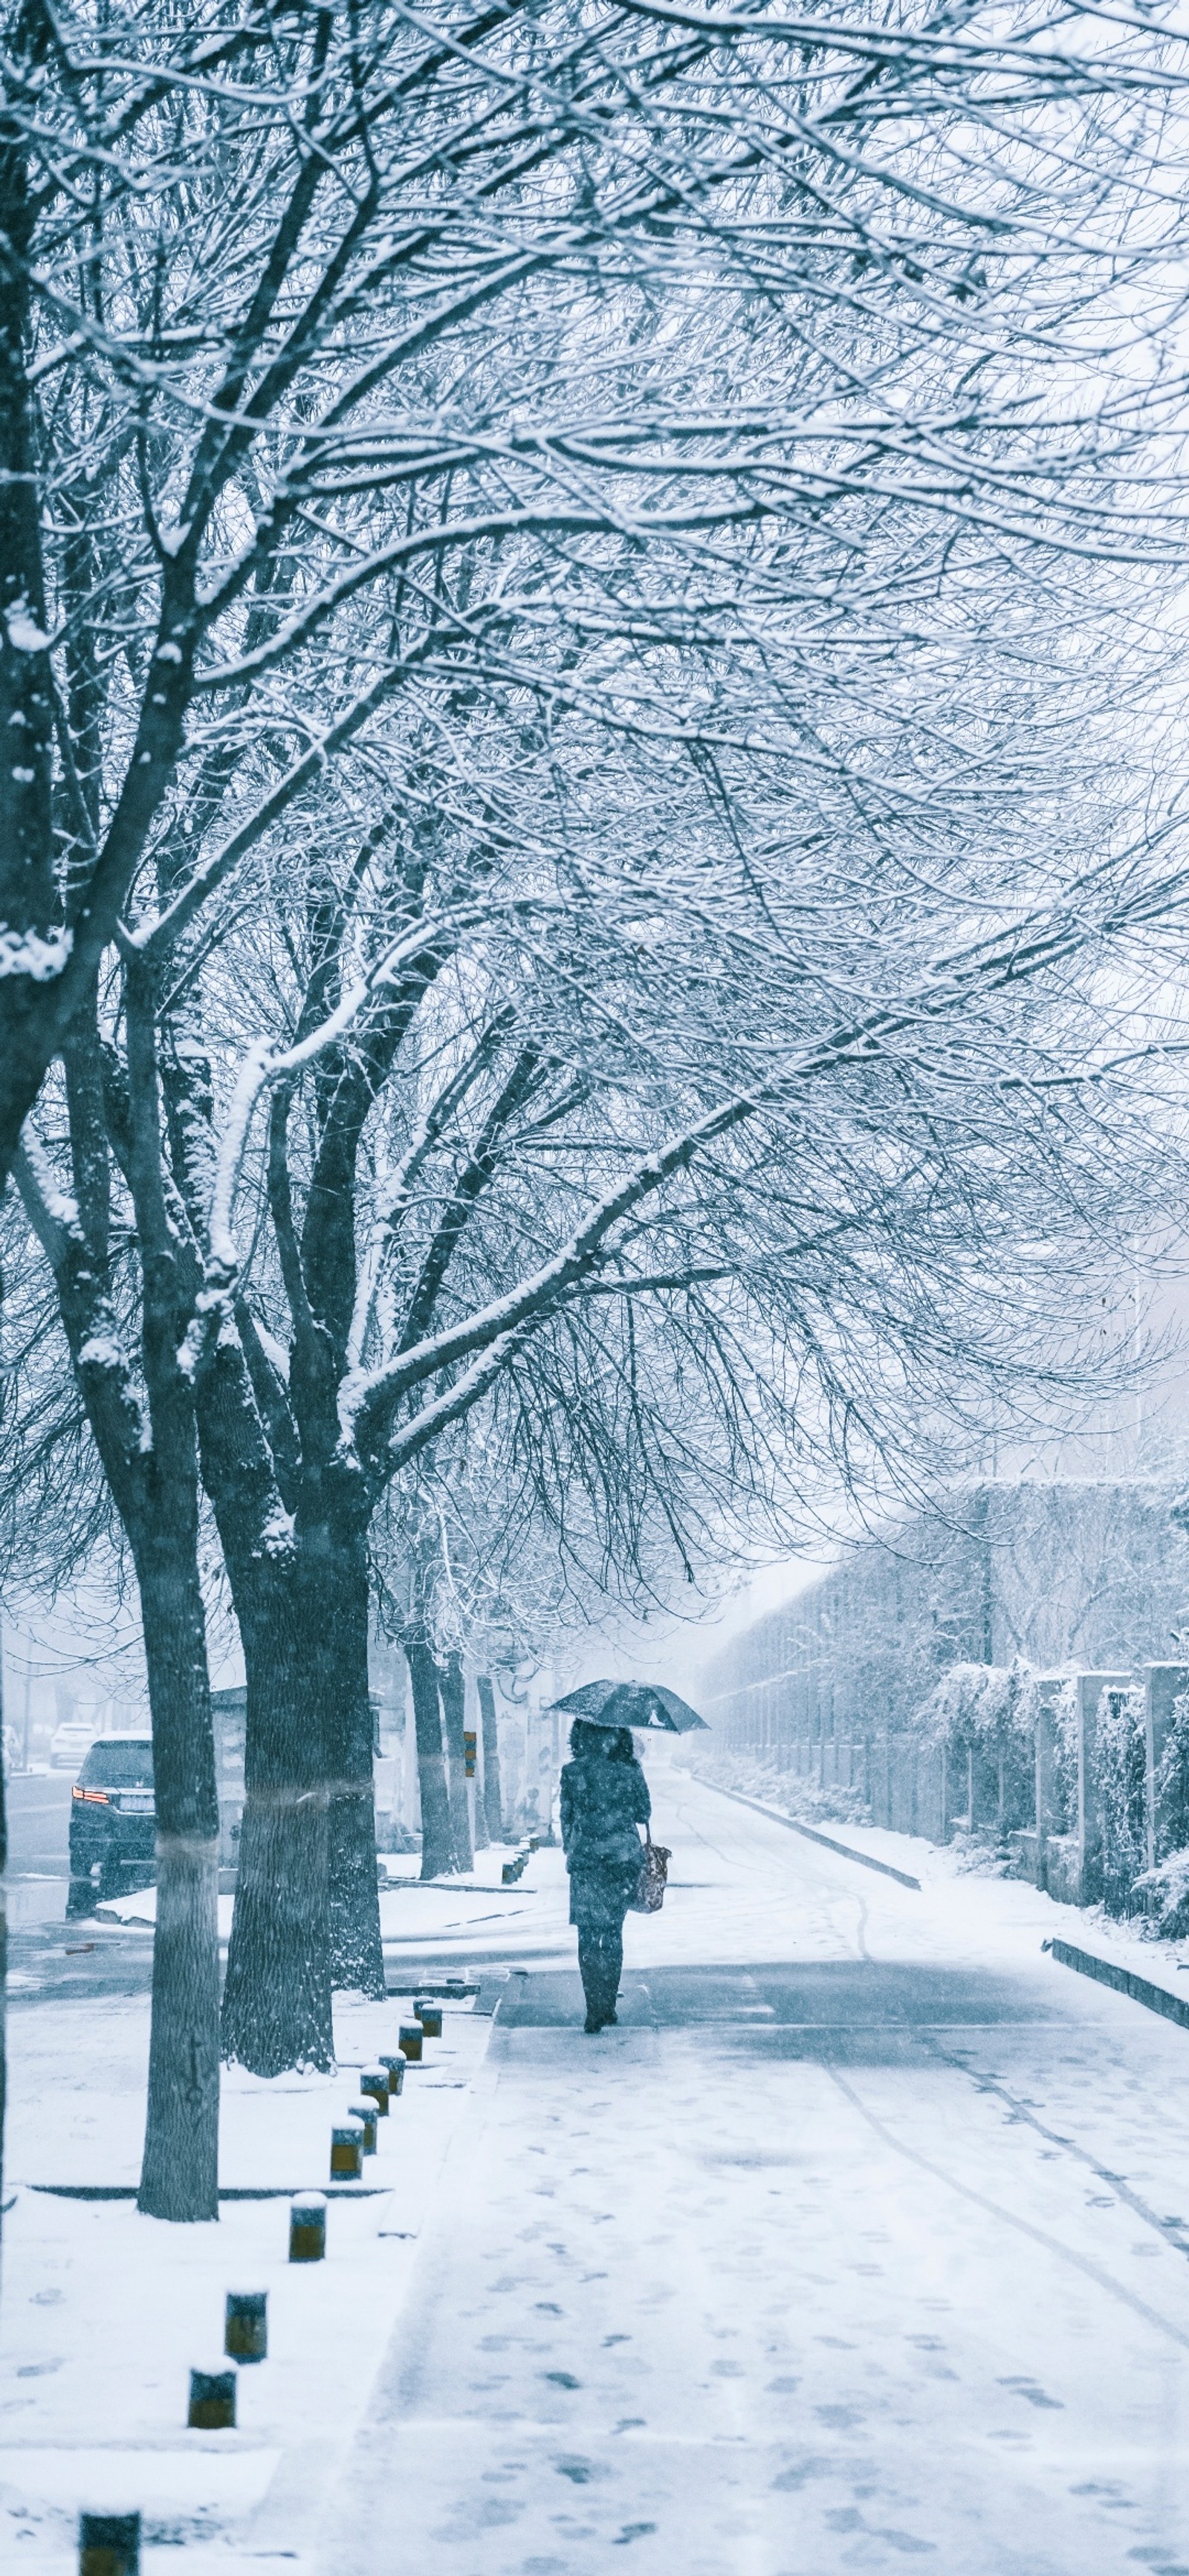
[[212, 2401], [245, 2332], [307, 2228], [109, 2544]]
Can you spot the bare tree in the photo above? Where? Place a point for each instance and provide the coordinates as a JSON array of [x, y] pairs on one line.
[[232, 250]]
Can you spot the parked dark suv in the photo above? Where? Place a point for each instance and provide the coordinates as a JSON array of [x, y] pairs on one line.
[[113, 1822]]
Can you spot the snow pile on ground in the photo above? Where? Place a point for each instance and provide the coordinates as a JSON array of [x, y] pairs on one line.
[[411, 1908], [763, 1776], [1167, 1891]]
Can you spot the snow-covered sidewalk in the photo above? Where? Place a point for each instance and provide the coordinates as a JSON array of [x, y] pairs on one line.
[[105, 2312]]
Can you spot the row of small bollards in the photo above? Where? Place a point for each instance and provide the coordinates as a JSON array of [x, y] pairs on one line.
[[380, 2084], [109, 2543], [515, 1869], [245, 2339]]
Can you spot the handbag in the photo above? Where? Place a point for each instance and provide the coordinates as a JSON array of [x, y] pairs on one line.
[[654, 1873]]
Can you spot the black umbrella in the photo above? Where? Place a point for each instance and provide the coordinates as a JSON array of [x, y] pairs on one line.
[[639, 1704]]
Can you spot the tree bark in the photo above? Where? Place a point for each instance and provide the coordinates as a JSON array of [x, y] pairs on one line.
[[180, 2169], [277, 2010], [3, 1925], [277, 1994], [337, 1600], [307, 1914], [492, 1806], [453, 1696], [437, 1842]]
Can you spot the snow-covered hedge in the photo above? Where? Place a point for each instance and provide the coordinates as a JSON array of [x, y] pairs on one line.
[[1164, 1893], [985, 1715], [985, 1705], [1172, 1781]]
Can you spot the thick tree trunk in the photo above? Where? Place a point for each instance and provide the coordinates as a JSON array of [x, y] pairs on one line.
[[453, 1695], [277, 1996], [336, 1588], [437, 1844], [179, 2176], [180, 2170], [492, 1806], [3, 1940]]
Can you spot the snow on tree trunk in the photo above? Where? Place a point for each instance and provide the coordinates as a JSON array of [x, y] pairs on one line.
[[180, 2169], [336, 1619], [277, 1997], [3, 1919]]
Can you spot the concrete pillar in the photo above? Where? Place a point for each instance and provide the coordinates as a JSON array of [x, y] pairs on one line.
[[900, 1784], [934, 1824], [1048, 1812], [1163, 1685], [1090, 1687]]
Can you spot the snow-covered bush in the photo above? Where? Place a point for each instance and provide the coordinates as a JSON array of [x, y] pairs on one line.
[[988, 1712], [766, 1777], [1164, 1891], [982, 1704]]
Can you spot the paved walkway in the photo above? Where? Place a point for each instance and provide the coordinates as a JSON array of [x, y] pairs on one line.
[[868, 2255]]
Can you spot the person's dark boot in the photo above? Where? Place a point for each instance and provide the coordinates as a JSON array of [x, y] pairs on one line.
[[593, 2022]]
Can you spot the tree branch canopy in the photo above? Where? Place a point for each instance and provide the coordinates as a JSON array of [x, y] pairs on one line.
[[368, 349]]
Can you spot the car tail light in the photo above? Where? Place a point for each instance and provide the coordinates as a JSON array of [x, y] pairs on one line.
[[94, 1797]]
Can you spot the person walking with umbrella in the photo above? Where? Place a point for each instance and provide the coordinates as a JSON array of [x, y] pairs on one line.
[[604, 1796]]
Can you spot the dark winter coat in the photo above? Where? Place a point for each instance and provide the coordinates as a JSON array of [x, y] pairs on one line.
[[602, 1803]]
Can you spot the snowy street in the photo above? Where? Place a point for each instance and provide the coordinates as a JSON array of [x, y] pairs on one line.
[[862, 2238], [863, 2254], [594, 1283]]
